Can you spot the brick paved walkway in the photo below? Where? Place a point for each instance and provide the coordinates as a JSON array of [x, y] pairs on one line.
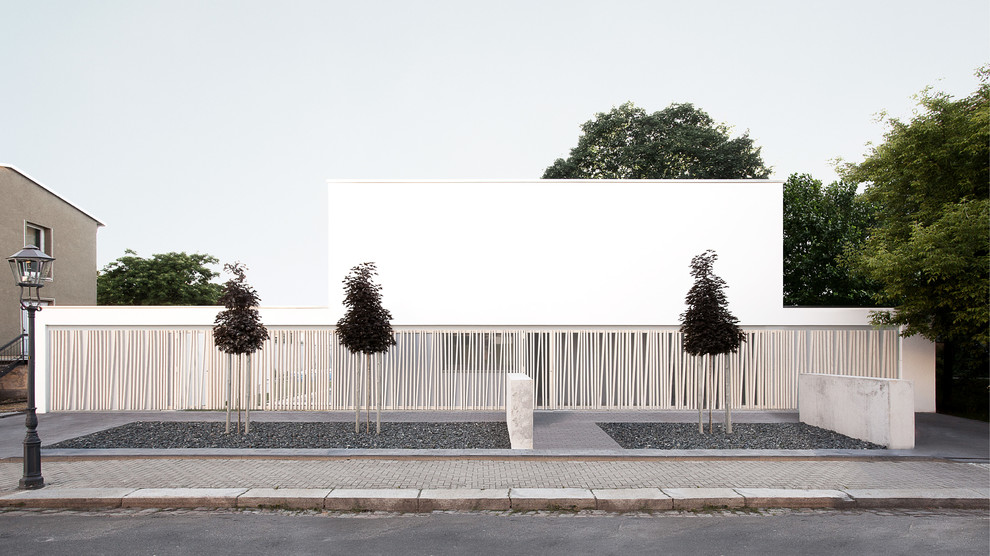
[[454, 473], [603, 467]]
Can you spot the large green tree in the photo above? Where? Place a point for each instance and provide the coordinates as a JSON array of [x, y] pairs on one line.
[[164, 279], [678, 142], [930, 179], [819, 224]]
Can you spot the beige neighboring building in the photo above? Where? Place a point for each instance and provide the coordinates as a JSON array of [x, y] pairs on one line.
[[30, 213]]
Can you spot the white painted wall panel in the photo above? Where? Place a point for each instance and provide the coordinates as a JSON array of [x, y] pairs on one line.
[[582, 252]]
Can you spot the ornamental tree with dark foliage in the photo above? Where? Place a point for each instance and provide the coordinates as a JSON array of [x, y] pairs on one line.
[[238, 330], [365, 328], [709, 328]]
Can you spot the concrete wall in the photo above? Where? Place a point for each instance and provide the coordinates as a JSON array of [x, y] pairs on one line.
[[519, 405], [73, 240], [873, 409]]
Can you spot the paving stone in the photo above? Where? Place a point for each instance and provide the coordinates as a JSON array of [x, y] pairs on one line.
[[700, 498], [182, 498], [76, 498], [551, 499], [502, 473], [631, 499], [433, 499], [289, 498], [919, 498], [373, 499], [794, 498]]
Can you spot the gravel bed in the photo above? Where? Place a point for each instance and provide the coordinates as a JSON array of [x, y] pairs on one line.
[[745, 436], [172, 434]]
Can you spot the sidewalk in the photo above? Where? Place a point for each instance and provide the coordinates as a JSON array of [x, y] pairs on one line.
[[574, 466]]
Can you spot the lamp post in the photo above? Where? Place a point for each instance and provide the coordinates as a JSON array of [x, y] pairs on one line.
[[31, 266]]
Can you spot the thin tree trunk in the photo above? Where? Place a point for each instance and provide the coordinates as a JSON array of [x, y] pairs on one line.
[[711, 395], [247, 398], [700, 387], [367, 406], [378, 396], [727, 396], [944, 393], [230, 365], [240, 392], [357, 398]]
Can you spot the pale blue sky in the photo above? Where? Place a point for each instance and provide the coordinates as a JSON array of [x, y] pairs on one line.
[[212, 126]]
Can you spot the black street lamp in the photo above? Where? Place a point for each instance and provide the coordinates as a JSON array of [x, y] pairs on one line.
[[31, 267]]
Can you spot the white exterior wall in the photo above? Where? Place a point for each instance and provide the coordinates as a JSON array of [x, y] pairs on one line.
[[564, 252], [546, 252]]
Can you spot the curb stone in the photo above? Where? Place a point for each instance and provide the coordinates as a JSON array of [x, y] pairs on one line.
[[522, 499], [182, 498]]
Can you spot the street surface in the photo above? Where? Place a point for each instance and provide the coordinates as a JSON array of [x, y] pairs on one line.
[[154, 532]]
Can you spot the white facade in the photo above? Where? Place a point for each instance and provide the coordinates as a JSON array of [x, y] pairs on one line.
[[579, 284], [574, 253], [544, 252], [569, 252]]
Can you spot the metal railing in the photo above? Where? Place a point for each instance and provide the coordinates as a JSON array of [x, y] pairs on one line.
[[13, 354]]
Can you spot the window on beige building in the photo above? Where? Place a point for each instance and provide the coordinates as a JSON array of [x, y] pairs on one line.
[[40, 237]]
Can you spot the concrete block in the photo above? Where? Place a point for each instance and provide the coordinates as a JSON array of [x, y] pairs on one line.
[[631, 499], [919, 498], [878, 410], [431, 499], [373, 499], [794, 498], [70, 498], [182, 498], [700, 498], [519, 410], [289, 498], [551, 499]]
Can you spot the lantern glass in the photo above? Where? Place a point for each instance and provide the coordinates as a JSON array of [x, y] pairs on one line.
[[30, 266]]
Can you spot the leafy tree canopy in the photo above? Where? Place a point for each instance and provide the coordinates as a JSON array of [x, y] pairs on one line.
[[164, 279], [819, 224], [365, 327], [678, 142], [707, 325], [930, 179], [238, 329]]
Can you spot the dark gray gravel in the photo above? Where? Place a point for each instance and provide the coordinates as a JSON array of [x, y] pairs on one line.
[[745, 436], [173, 434]]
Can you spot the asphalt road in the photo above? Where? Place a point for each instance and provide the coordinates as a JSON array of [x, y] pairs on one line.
[[273, 532]]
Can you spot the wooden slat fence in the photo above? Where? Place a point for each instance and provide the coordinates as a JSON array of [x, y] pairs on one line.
[[100, 369]]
